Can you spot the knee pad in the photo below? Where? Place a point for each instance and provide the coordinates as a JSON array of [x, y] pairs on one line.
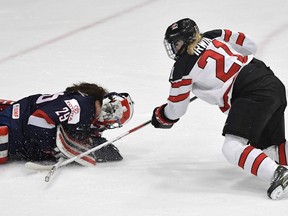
[[233, 147], [3, 144]]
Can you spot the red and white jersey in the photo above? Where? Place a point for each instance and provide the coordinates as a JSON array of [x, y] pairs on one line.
[[210, 72]]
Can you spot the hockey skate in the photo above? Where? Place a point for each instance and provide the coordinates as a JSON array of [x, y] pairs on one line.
[[279, 185]]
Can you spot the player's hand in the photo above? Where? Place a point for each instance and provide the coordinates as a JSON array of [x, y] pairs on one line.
[[159, 120]]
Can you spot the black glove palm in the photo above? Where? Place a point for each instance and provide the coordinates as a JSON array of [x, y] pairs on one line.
[[107, 153]]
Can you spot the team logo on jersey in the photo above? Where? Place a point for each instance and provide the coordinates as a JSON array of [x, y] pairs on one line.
[[16, 111], [74, 116]]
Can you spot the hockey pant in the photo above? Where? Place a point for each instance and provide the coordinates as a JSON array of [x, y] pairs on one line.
[[261, 163], [3, 144]]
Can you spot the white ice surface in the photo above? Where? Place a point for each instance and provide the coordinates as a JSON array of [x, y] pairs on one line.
[[49, 44]]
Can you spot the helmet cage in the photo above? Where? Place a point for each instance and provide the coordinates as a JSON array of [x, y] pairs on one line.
[[170, 49], [117, 109], [170, 46]]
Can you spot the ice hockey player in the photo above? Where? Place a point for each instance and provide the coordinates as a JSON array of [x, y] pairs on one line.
[[28, 127], [220, 68]]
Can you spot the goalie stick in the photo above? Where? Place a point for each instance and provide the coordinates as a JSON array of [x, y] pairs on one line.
[[69, 148], [63, 162], [75, 158], [40, 167]]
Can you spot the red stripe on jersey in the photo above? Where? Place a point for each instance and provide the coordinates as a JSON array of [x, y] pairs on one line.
[[282, 154], [183, 82], [240, 39], [179, 98], [244, 156], [41, 114], [227, 35], [225, 100]]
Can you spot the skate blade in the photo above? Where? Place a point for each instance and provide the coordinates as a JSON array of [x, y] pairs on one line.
[[279, 193]]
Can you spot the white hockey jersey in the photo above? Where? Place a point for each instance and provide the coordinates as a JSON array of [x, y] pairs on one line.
[[209, 73]]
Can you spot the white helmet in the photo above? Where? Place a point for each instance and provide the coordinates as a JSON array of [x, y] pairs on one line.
[[117, 109]]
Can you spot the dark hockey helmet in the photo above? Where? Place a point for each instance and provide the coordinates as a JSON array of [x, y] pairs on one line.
[[178, 36]]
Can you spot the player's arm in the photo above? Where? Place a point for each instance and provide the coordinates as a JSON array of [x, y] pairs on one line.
[[238, 40], [179, 97], [177, 103]]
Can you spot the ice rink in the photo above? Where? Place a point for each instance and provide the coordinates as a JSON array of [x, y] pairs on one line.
[[47, 45]]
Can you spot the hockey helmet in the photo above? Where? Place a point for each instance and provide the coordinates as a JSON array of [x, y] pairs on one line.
[[117, 109], [178, 35]]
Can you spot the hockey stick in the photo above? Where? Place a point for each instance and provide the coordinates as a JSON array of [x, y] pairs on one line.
[[63, 162], [70, 160], [40, 167]]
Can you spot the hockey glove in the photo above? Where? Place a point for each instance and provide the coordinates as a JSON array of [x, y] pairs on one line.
[[107, 153], [159, 120]]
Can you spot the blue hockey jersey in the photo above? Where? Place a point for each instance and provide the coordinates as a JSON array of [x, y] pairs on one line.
[[33, 121]]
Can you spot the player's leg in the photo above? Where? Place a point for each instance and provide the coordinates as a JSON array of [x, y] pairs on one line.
[[248, 119], [273, 140], [71, 147], [249, 158], [278, 153], [3, 144], [255, 161], [4, 104]]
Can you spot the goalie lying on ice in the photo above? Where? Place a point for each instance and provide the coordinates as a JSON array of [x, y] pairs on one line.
[[28, 127]]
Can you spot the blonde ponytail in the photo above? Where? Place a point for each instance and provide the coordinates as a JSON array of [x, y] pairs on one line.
[[191, 46]]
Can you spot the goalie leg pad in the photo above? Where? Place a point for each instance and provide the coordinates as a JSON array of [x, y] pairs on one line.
[[4, 104], [71, 148], [3, 144]]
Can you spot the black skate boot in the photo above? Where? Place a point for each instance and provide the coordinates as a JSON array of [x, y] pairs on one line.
[[279, 184]]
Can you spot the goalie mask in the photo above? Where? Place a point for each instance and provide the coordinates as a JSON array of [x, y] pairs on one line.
[[117, 109]]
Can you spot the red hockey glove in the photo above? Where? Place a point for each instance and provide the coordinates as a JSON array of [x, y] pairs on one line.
[[159, 120]]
